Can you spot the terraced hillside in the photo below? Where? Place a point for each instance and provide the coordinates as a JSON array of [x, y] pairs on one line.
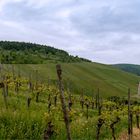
[[87, 77]]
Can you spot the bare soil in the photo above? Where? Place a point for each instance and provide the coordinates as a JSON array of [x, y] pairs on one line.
[[136, 135]]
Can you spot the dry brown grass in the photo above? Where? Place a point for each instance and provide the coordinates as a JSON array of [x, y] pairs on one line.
[[136, 135]]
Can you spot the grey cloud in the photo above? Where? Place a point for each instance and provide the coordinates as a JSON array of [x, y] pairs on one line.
[[104, 31], [21, 12], [108, 19]]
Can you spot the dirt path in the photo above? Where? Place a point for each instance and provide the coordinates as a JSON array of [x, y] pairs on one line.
[[136, 135]]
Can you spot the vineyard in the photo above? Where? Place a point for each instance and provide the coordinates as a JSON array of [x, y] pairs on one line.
[[33, 109]]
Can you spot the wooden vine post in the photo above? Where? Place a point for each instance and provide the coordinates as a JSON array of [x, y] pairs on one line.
[[82, 100], [62, 98], [30, 83], [5, 92], [137, 120], [131, 125], [92, 102], [96, 101], [55, 100], [70, 98], [36, 86], [87, 106], [99, 106], [17, 81], [17, 85], [30, 90], [129, 117], [49, 103]]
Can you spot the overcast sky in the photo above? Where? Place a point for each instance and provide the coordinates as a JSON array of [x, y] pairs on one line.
[[106, 31]]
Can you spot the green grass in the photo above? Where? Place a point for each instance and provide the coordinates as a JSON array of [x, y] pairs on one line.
[[135, 69], [88, 77], [20, 122]]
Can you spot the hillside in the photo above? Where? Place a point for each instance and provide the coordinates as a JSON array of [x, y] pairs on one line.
[[33, 109], [29, 53], [80, 74], [135, 69], [88, 77]]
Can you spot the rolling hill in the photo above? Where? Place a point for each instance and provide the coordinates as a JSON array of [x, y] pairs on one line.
[[135, 69], [29, 53], [80, 74], [86, 77]]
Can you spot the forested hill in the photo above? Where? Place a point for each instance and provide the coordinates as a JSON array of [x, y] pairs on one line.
[[135, 69], [30, 53]]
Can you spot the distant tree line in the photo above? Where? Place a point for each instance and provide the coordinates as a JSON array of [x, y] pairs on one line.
[[31, 53], [135, 69]]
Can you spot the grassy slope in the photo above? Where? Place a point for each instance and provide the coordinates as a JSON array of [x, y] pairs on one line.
[[135, 69], [19, 122], [90, 76]]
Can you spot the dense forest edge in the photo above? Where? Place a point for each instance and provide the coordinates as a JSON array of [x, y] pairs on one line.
[[12, 52]]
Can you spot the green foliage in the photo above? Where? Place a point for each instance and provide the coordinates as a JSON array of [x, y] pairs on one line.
[[21, 122], [135, 69], [20, 125], [29, 53]]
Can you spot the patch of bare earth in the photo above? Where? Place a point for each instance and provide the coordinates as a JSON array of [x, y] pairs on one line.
[[136, 135]]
